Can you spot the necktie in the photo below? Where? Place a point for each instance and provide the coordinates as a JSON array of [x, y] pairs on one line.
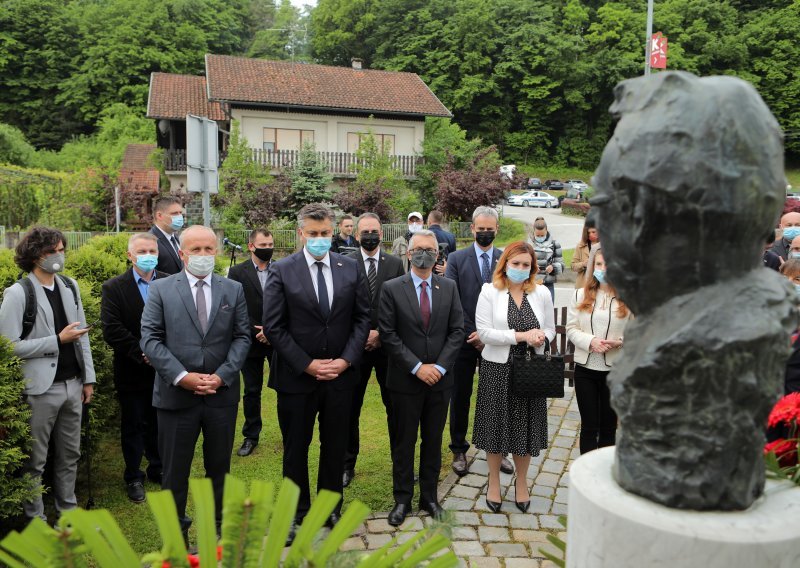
[[486, 272], [322, 292], [372, 278], [174, 243], [200, 300], [424, 305]]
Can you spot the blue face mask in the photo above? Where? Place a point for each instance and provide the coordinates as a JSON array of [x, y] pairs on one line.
[[540, 239], [797, 289], [794, 255], [789, 233], [600, 275], [146, 262], [517, 275], [318, 246], [177, 222]]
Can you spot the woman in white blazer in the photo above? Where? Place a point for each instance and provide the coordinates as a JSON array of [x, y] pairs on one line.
[[512, 311], [596, 325]]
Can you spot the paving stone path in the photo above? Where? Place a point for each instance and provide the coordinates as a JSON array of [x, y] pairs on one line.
[[511, 539]]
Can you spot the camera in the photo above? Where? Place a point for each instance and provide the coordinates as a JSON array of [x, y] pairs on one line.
[[442, 258]]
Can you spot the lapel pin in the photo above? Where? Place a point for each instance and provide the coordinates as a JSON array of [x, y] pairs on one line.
[[437, 286], [338, 264]]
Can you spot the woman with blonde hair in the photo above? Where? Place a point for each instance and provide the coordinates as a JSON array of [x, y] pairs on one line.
[[595, 325], [513, 312]]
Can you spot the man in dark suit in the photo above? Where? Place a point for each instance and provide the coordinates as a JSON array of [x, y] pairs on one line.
[[470, 268], [316, 316], [447, 238], [122, 301], [252, 275], [345, 240], [168, 217], [376, 267], [422, 328], [196, 334]]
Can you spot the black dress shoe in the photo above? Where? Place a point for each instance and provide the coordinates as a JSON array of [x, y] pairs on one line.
[[247, 447], [292, 533], [136, 491], [460, 464], [398, 514], [332, 520], [347, 477], [433, 508], [494, 506], [506, 466]]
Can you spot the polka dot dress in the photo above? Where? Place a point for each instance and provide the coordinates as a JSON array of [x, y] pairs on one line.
[[505, 423]]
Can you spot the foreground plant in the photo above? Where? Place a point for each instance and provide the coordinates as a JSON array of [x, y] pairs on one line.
[[254, 530], [781, 455]]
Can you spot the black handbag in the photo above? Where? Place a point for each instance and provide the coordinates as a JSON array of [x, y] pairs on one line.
[[535, 375]]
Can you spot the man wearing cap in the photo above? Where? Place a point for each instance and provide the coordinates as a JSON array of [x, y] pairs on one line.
[[400, 244]]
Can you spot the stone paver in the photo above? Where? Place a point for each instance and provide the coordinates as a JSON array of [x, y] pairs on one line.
[[508, 539]]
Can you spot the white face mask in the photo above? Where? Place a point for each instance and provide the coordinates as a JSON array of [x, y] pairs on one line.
[[200, 265], [414, 227]]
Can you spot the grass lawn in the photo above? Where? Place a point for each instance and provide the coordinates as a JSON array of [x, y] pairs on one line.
[[372, 484]]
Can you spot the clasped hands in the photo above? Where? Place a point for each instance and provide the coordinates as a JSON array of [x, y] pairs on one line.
[[603, 345], [429, 374], [201, 383], [326, 369], [533, 337]]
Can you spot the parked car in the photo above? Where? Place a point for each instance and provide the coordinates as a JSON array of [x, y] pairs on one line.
[[534, 183], [578, 184], [533, 199], [554, 185]]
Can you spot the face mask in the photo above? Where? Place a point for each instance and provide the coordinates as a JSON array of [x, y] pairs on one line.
[[370, 241], [797, 289], [414, 227], [263, 254], [540, 239], [318, 246], [423, 259], [600, 275], [789, 233], [200, 265], [146, 262], [177, 222], [518, 275], [794, 255], [53, 263], [484, 238]]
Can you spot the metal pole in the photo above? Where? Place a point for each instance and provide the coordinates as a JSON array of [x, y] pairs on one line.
[[649, 36], [206, 192], [116, 206]]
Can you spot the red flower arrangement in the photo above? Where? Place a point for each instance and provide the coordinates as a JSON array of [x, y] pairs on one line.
[[782, 454], [194, 560]]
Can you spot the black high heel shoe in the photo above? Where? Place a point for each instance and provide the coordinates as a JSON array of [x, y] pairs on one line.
[[521, 505], [494, 506]]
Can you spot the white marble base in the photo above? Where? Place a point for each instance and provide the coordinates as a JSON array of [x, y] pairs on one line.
[[611, 528]]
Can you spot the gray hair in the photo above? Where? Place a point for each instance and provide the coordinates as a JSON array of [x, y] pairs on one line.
[[369, 215], [194, 229], [316, 212], [143, 236], [486, 212], [421, 233]]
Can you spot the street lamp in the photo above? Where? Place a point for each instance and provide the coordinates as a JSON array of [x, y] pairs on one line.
[[648, 40]]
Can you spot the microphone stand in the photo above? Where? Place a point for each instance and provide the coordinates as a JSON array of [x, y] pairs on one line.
[[233, 257]]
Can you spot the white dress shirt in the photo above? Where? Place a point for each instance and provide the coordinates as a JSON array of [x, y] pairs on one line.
[[366, 257], [192, 279], [327, 274]]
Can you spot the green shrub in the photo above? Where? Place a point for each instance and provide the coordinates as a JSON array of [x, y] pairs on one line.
[[8, 270], [14, 433], [510, 231], [574, 208], [93, 264]]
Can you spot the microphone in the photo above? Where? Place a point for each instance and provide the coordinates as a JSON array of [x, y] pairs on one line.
[[234, 246]]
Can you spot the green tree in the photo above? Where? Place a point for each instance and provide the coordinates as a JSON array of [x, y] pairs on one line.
[[309, 179], [14, 149], [285, 38], [344, 29]]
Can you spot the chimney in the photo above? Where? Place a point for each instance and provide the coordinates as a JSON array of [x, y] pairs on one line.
[[356, 62]]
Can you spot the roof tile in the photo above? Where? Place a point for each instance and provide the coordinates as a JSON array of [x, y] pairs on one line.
[[174, 96]]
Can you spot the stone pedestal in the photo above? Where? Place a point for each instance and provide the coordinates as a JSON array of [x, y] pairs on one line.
[[609, 527]]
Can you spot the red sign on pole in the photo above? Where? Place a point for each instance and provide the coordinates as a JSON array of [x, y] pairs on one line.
[[658, 51]]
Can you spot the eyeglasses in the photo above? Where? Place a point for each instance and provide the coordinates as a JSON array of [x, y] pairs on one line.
[[429, 251]]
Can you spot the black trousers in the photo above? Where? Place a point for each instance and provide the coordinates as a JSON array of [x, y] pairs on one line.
[[463, 377], [178, 431], [598, 419], [253, 382], [425, 412], [296, 416], [370, 360], [138, 434]]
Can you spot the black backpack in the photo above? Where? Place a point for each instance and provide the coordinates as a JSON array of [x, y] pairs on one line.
[[31, 305]]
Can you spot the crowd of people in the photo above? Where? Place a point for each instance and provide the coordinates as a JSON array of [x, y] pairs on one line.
[[422, 318]]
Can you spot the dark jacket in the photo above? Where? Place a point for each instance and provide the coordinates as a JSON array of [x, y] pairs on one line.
[[781, 248], [121, 308], [294, 325], [245, 274], [772, 260], [792, 377], [463, 269], [169, 261], [405, 340], [389, 267], [444, 237], [338, 243]]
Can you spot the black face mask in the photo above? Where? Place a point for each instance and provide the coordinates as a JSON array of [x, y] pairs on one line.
[[263, 254], [370, 241], [484, 238]]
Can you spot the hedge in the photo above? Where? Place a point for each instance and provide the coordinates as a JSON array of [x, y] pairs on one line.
[[575, 207]]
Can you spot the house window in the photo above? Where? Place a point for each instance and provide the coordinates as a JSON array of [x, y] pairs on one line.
[[286, 138], [384, 141]]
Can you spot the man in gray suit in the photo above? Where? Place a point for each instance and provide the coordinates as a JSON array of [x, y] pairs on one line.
[[196, 335], [56, 361]]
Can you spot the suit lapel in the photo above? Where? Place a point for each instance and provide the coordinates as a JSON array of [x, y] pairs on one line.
[[381, 275], [303, 276], [131, 291], [216, 298], [337, 276], [495, 257], [166, 242], [473, 262], [437, 299], [411, 296], [250, 270], [185, 292], [43, 304]]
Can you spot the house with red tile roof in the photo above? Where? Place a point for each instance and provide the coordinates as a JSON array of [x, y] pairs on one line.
[[280, 105]]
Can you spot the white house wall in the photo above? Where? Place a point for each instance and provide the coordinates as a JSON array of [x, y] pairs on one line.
[[330, 131]]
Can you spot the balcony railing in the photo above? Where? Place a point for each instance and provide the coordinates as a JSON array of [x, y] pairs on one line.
[[339, 164]]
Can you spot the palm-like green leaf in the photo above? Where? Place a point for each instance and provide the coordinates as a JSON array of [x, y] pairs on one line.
[[102, 535], [352, 518], [163, 508], [282, 518], [323, 506], [205, 521]]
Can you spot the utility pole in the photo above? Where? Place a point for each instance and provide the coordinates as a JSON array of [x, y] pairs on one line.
[[649, 39]]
